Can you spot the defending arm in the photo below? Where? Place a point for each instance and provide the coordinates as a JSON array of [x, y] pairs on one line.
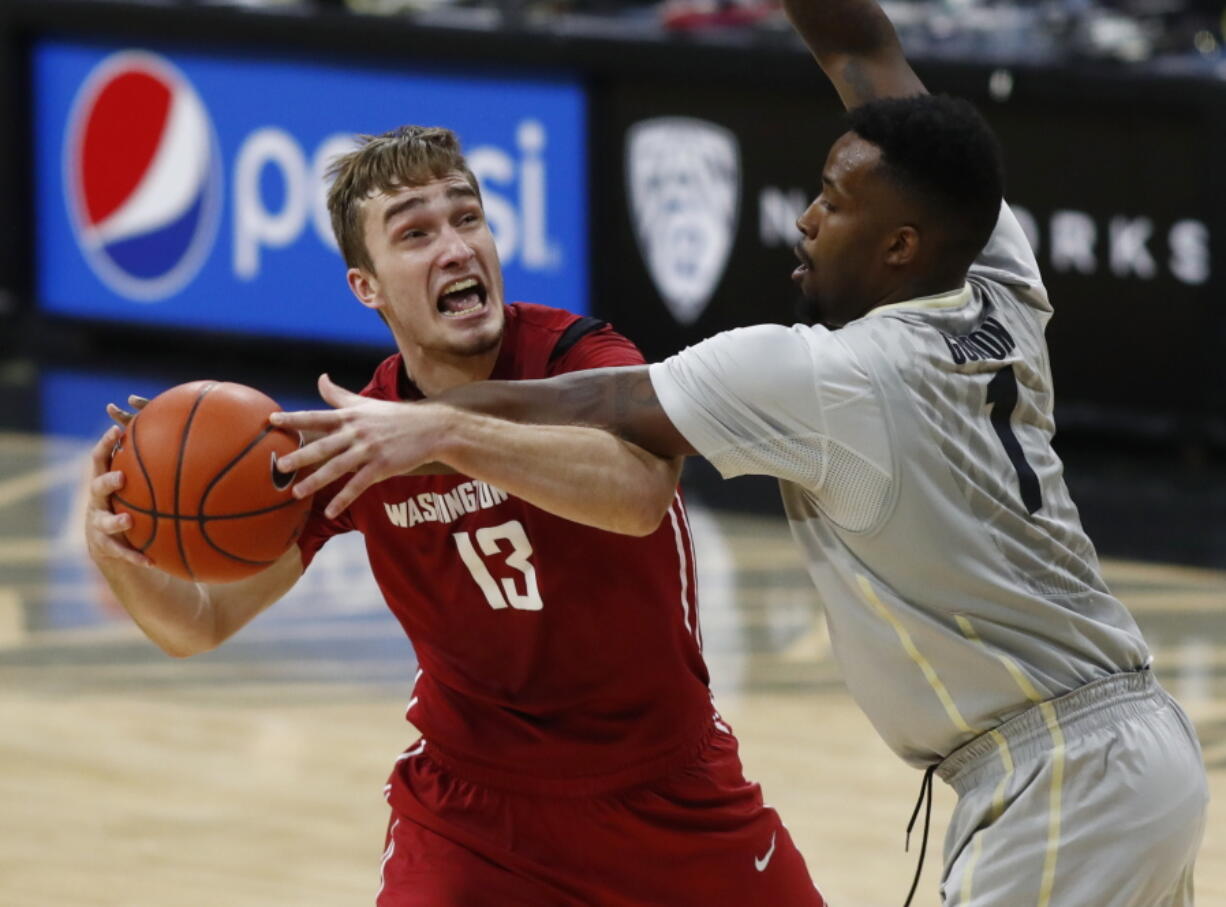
[[857, 47]]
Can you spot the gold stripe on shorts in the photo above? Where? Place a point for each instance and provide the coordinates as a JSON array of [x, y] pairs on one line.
[[1054, 804]]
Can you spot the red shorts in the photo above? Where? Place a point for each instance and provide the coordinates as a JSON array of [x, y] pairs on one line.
[[700, 836]]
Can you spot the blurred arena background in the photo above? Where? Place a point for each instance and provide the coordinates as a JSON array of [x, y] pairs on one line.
[[641, 162]]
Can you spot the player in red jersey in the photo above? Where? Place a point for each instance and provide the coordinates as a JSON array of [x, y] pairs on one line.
[[570, 753]]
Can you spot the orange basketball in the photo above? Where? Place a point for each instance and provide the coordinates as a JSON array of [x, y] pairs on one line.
[[201, 483]]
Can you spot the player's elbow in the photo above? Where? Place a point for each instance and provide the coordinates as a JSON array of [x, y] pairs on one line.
[[185, 645], [638, 528], [646, 516], [185, 638], [177, 650], [651, 500]]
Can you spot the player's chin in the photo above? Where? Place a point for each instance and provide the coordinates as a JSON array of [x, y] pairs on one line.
[[806, 310], [810, 306], [473, 339]]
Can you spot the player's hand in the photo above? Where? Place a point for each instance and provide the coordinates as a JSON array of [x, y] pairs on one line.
[[372, 439], [104, 529], [121, 416]]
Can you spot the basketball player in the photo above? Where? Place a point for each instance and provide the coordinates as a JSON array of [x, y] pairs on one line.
[[570, 754], [911, 430]]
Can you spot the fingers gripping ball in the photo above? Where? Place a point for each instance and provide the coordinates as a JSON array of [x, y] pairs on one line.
[[201, 484]]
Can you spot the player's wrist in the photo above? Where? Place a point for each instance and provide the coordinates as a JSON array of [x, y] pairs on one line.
[[449, 435]]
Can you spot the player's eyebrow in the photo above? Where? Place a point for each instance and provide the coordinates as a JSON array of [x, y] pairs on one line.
[[829, 183], [416, 201]]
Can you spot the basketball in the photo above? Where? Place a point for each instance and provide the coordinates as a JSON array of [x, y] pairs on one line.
[[201, 484]]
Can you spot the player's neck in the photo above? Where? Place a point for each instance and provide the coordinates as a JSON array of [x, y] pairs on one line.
[[435, 372], [923, 286]]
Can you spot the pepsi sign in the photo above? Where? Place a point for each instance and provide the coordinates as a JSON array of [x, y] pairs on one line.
[[142, 176], [187, 189]]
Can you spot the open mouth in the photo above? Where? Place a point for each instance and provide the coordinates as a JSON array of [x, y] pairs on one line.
[[805, 263], [462, 298]]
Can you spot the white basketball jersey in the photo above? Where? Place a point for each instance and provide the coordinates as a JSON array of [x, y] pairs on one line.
[[914, 452]]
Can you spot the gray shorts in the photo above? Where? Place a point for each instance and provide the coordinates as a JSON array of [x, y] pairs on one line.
[[1095, 799]]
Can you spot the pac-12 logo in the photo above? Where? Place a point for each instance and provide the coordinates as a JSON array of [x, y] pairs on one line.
[[684, 182], [142, 175]]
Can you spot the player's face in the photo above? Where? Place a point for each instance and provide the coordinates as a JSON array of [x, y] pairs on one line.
[[845, 234], [436, 275]]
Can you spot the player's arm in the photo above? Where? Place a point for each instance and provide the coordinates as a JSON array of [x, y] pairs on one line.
[[183, 618], [620, 400], [575, 471], [856, 46], [746, 400]]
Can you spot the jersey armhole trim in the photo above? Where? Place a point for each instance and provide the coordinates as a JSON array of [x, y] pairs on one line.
[[573, 334]]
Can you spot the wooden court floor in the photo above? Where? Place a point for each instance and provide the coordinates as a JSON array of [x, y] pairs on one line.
[[253, 775]]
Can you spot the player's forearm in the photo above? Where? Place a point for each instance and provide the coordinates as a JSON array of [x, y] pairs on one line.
[[579, 473], [184, 618], [583, 473], [619, 400], [173, 613], [842, 27], [856, 46]]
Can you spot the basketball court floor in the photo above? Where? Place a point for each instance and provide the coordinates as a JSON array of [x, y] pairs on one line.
[[252, 776]]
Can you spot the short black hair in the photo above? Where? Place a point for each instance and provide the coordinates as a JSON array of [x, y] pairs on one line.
[[941, 149]]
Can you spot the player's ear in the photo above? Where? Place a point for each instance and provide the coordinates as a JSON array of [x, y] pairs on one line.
[[365, 286], [904, 246]]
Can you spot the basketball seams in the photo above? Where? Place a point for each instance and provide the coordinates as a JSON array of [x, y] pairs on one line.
[[204, 534], [187, 427], [204, 518], [191, 455], [208, 489], [153, 497]]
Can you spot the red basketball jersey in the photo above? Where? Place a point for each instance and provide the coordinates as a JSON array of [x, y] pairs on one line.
[[552, 654]]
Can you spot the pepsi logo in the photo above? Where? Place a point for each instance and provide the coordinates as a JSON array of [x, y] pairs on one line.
[[142, 175]]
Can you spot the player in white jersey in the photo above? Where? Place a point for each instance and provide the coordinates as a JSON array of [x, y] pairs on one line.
[[911, 430]]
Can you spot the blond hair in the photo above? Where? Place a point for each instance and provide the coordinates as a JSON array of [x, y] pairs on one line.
[[408, 156]]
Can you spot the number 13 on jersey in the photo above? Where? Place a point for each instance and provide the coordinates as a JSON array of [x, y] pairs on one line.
[[488, 541]]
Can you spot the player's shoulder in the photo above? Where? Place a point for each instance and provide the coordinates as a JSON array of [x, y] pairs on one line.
[[1007, 261], [761, 359], [828, 351], [383, 383], [530, 316], [568, 341], [918, 342], [811, 347], [891, 341]]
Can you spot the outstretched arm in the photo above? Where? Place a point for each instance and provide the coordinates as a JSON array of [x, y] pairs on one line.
[[857, 47], [619, 400], [515, 435]]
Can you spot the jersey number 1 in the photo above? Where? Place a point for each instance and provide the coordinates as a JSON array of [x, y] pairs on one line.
[[1002, 397], [504, 593]]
